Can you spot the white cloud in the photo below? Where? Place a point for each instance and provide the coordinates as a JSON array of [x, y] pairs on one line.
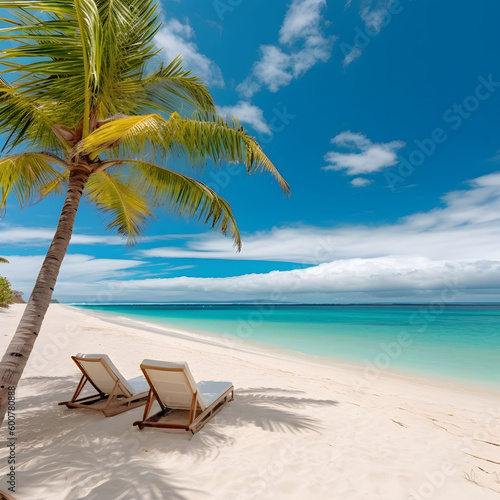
[[366, 157], [36, 236], [248, 113], [22, 270], [466, 227], [303, 44], [273, 69], [176, 38], [349, 280], [248, 87], [302, 20], [15, 235], [351, 275], [374, 13], [361, 182], [352, 55]]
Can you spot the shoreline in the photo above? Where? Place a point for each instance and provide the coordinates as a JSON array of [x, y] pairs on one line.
[[296, 429], [269, 350]]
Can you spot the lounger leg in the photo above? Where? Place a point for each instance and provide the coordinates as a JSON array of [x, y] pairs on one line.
[[192, 411], [111, 396], [147, 409], [79, 387]]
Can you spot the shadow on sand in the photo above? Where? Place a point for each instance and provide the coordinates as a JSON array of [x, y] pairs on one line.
[[95, 457]]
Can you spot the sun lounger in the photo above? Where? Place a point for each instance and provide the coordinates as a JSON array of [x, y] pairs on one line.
[[114, 395], [184, 404]]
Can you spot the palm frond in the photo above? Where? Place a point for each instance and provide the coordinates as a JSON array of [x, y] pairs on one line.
[[22, 119], [171, 88], [119, 201], [196, 139], [55, 77], [128, 29], [90, 29], [25, 174], [3, 261], [144, 129], [56, 186], [180, 194]]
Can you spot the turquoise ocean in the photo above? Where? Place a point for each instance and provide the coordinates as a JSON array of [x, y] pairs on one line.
[[459, 342]]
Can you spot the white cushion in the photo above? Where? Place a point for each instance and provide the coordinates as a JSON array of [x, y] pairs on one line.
[[139, 384], [209, 391]]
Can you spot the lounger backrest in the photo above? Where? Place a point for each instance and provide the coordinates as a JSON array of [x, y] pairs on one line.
[[173, 383], [103, 373]]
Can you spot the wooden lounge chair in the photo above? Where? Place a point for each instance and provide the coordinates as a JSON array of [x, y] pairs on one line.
[[114, 393], [184, 403]]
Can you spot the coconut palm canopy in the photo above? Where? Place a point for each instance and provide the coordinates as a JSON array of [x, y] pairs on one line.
[[83, 86], [85, 102]]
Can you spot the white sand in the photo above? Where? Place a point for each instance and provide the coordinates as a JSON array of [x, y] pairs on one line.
[[296, 429]]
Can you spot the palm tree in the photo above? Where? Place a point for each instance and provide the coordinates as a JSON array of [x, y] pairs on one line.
[[91, 115]]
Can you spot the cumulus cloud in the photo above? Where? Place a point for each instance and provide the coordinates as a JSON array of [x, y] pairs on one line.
[[248, 114], [302, 20], [273, 69], [176, 39], [302, 43], [365, 156], [361, 182]]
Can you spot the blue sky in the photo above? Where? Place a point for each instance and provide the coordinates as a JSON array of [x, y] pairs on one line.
[[382, 115]]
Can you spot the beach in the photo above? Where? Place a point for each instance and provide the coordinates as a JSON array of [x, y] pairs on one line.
[[297, 428]]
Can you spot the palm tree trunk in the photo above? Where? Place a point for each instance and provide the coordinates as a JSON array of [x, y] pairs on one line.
[[21, 345]]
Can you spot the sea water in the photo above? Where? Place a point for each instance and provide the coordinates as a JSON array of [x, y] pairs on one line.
[[462, 342]]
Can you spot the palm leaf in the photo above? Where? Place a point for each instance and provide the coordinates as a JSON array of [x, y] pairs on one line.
[[25, 174], [91, 36], [55, 186], [22, 119], [171, 88], [120, 202], [196, 139], [180, 194]]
